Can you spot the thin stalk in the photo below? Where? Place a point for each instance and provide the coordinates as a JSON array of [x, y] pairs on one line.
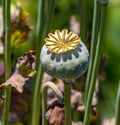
[[7, 61], [117, 122], [44, 107], [67, 96], [59, 95], [83, 25], [50, 14], [3, 11], [95, 28], [35, 100], [40, 22], [96, 65], [40, 34]]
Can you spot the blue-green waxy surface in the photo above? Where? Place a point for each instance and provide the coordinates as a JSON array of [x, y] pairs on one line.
[[66, 66]]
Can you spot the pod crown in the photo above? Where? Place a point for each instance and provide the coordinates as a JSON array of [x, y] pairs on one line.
[[62, 41]]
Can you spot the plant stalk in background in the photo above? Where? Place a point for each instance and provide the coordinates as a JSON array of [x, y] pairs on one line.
[[95, 65], [35, 101], [67, 96], [95, 30], [83, 25], [50, 15], [7, 52], [59, 95], [118, 107], [3, 11], [40, 34]]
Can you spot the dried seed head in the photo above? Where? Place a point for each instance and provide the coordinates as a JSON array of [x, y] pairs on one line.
[[64, 55]]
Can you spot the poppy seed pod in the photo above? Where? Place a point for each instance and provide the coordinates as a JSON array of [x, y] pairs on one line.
[[64, 55]]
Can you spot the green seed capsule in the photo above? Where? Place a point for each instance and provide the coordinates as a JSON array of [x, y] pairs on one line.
[[64, 56]]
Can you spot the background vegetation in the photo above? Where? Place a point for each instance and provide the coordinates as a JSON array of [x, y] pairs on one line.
[[64, 11]]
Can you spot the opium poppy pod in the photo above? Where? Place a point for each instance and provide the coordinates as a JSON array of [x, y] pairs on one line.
[[64, 55]]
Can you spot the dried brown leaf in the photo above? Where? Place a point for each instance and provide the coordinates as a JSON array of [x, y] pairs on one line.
[[25, 69], [26, 64], [17, 81], [57, 116], [28, 59], [19, 28]]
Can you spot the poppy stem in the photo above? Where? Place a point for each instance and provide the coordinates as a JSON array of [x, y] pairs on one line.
[[83, 25], [67, 96], [40, 34], [35, 100], [95, 65], [7, 22], [95, 31]]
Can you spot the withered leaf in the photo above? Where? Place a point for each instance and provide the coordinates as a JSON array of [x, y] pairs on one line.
[[16, 80], [26, 64], [19, 28], [57, 116], [25, 68]]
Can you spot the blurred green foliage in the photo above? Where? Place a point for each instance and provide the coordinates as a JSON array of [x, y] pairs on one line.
[[108, 88]]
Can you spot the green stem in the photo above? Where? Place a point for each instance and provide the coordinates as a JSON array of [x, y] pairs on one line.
[[67, 96], [6, 105], [44, 98], [95, 27], [3, 9], [118, 107], [7, 61], [95, 66], [40, 22], [83, 25], [44, 107], [40, 34], [35, 100], [50, 14]]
